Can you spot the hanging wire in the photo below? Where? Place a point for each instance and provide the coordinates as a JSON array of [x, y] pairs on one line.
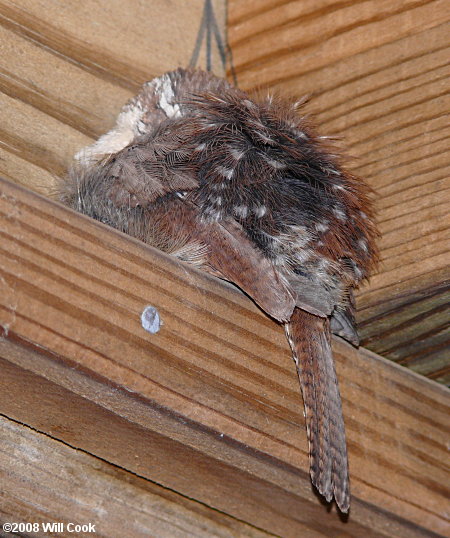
[[210, 29]]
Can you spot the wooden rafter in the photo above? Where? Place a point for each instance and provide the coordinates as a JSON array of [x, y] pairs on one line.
[[210, 405]]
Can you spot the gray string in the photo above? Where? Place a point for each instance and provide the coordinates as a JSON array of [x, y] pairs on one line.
[[199, 40], [209, 15], [209, 26]]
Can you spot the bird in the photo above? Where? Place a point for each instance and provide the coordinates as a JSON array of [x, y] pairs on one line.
[[242, 187]]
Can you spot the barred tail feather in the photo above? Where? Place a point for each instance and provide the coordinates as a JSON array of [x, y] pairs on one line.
[[310, 340]]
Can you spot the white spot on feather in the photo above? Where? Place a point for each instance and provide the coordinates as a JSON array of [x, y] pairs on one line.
[[303, 255], [274, 164], [331, 171], [263, 137], [260, 211], [322, 226], [210, 125], [163, 86], [248, 104], [211, 214], [363, 245], [225, 172], [339, 214], [297, 237], [236, 154], [357, 271], [218, 186], [280, 261], [241, 211], [301, 134]]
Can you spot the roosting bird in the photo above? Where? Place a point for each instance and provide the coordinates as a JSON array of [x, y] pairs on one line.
[[245, 190]]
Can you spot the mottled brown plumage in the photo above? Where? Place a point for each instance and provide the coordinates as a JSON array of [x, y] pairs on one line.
[[246, 191]]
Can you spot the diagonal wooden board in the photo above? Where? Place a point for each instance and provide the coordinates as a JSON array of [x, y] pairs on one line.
[[39, 475], [210, 405]]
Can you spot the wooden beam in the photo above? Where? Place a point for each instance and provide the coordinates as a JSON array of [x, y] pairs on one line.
[[209, 406], [43, 480]]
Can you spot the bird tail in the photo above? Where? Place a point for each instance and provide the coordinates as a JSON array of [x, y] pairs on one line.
[[310, 340]]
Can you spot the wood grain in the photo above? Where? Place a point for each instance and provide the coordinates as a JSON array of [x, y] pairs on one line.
[[378, 74], [210, 405], [43, 479], [122, 43], [66, 70]]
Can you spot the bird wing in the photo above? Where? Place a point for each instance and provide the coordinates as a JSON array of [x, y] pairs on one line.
[[221, 248], [233, 257], [153, 166]]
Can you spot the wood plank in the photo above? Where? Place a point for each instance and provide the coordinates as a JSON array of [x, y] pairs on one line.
[[213, 397], [46, 481], [66, 71], [378, 77], [52, 84], [34, 137], [293, 42], [14, 167], [125, 44]]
